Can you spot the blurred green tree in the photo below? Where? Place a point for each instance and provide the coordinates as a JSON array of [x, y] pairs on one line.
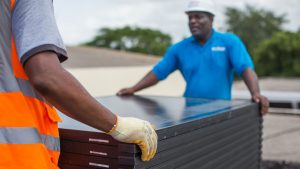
[[275, 52], [253, 25], [143, 40], [279, 55]]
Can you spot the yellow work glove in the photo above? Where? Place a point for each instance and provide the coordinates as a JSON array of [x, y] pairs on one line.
[[137, 131]]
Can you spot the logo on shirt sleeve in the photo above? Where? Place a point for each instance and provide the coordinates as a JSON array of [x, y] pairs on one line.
[[218, 48]]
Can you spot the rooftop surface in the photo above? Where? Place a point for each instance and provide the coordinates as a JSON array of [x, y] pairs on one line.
[[87, 57]]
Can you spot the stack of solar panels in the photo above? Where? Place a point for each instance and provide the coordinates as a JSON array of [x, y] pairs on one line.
[[192, 134]]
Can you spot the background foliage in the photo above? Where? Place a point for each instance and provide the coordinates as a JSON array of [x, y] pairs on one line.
[[143, 40], [275, 52], [253, 25], [279, 55]]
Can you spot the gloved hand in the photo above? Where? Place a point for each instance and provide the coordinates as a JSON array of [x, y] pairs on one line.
[[137, 131]]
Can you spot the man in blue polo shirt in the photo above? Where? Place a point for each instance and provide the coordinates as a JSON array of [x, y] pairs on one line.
[[207, 60]]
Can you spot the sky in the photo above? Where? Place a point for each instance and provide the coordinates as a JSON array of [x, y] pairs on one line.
[[79, 22]]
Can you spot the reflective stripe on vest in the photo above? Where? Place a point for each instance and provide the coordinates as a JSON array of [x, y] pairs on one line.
[[27, 90], [28, 136], [12, 75], [27, 123], [18, 84]]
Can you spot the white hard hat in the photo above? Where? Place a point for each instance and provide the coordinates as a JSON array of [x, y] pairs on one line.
[[201, 6]]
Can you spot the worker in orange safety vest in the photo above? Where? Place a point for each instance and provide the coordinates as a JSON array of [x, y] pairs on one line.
[[32, 81]]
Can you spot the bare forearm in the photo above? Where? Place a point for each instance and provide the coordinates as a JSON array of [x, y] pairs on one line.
[[62, 90], [251, 80], [71, 98], [149, 80]]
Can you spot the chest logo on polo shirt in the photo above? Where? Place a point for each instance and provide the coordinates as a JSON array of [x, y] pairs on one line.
[[218, 48]]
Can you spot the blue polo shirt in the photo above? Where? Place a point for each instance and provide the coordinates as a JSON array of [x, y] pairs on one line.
[[207, 69]]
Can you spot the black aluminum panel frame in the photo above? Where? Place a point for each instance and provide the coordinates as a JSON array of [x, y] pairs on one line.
[[87, 148], [102, 138], [66, 166], [244, 146], [169, 137], [163, 133], [247, 127], [211, 145]]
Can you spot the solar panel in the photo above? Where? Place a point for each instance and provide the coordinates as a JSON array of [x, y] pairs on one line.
[[191, 132]]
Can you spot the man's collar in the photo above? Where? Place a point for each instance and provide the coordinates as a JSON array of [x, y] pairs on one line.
[[212, 36]]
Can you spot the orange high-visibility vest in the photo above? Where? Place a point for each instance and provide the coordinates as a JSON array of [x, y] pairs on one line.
[[29, 136]]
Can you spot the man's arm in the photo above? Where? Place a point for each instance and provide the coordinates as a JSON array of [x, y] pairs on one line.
[[148, 80], [63, 91], [251, 80], [160, 71]]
